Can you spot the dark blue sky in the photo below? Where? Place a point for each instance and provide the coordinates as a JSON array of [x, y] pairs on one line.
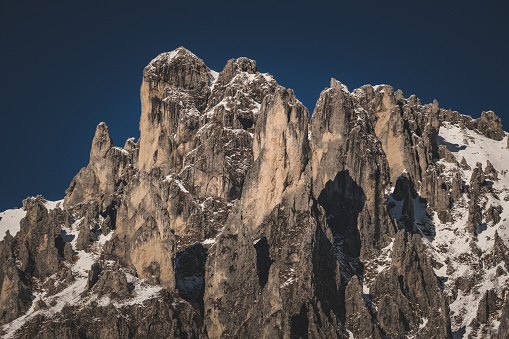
[[68, 65]]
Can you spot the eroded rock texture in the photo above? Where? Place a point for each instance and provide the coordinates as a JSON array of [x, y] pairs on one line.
[[238, 215]]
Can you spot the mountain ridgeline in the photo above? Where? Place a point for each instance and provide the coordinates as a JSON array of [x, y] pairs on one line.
[[236, 215]]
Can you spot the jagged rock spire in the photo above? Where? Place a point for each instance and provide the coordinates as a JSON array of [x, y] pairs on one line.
[[101, 143]]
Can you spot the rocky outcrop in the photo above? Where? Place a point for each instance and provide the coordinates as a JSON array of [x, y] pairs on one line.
[[235, 215], [490, 172], [103, 174], [503, 330], [464, 165], [441, 189], [280, 150], [489, 124], [174, 91], [407, 130], [143, 239], [14, 290], [409, 291], [34, 254], [38, 254], [222, 151], [487, 305], [405, 192], [160, 317], [360, 318], [111, 281], [349, 168], [444, 153], [474, 210]]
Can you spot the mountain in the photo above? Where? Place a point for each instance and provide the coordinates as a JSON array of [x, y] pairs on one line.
[[236, 215]]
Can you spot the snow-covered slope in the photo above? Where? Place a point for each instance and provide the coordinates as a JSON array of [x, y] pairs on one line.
[[466, 271], [10, 219]]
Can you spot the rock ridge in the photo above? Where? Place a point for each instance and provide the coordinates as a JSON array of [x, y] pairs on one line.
[[237, 214]]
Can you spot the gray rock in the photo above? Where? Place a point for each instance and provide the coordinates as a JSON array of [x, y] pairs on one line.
[[111, 281], [487, 305], [445, 154], [408, 291], [360, 320], [490, 125], [254, 218], [490, 172], [503, 329], [464, 165]]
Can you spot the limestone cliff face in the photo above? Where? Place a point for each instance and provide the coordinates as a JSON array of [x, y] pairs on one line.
[[222, 151], [237, 215], [280, 150], [350, 172], [174, 91], [102, 175]]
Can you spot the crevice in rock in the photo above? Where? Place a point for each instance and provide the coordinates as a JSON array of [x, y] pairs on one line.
[[246, 123], [299, 324], [343, 199], [263, 261], [189, 274], [60, 245]]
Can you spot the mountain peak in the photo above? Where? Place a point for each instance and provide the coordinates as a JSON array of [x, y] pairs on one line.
[[102, 142], [236, 215]]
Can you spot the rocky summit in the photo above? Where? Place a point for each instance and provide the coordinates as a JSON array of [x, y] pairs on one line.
[[237, 214]]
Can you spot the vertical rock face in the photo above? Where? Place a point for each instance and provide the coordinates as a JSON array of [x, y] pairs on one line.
[[103, 173], [360, 318], [406, 129], [236, 215], [143, 239], [490, 125], [280, 150], [222, 151], [174, 91], [349, 167], [503, 331]]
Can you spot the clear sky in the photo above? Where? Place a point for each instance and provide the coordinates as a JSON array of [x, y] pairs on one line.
[[68, 65]]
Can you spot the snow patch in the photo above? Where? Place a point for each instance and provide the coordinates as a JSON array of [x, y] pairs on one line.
[[9, 221], [51, 205]]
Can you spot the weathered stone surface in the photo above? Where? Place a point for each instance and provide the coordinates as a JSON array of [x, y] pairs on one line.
[[406, 129], [236, 215], [103, 174], [222, 151], [490, 172], [464, 165], [14, 292], [162, 317], [39, 229], [503, 329], [487, 305], [360, 319], [404, 191], [143, 239], [409, 291], [111, 281], [490, 125], [474, 210], [445, 154], [442, 186], [280, 150], [348, 163], [174, 91]]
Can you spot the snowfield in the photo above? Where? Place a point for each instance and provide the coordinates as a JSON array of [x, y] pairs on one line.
[[452, 245]]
